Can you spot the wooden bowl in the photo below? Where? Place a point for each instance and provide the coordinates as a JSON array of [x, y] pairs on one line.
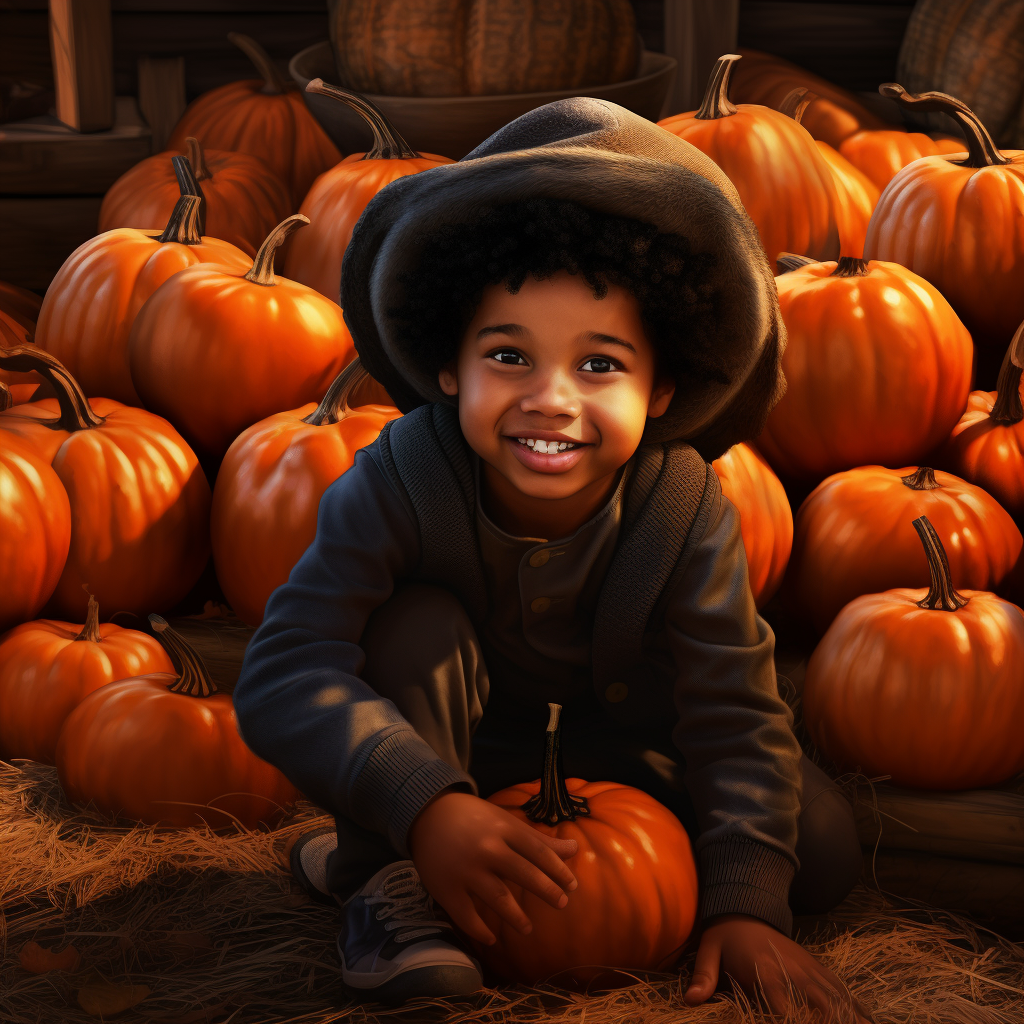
[[453, 125]]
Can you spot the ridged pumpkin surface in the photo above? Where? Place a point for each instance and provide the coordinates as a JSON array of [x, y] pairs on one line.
[[881, 155], [856, 195], [19, 311]]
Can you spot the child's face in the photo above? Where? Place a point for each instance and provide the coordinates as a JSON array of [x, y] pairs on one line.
[[554, 362]]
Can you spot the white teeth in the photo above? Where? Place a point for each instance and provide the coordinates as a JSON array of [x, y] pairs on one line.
[[545, 447]]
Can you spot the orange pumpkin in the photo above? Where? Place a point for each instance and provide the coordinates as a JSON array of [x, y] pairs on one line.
[[91, 304], [264, 117], [878, 369], [925, 686], [242, 197], [140, 504], [339, 196], [35, 529], [766, 520], [852, 536], [831, 116], [636, 898], [856, 193], [48, 667], [270, 484], [957, 223], [987, 446], [215, 350], [19, 311], [881, 155], [164, 748]]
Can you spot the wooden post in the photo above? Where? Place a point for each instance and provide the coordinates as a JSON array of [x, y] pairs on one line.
[[81, 44], [697, 33], [161, 95]]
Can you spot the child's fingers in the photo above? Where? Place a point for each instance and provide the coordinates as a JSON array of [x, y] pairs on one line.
[[492, 891], [537, 849], [705, 971], [464, 916], [519, 870], [563, 847]]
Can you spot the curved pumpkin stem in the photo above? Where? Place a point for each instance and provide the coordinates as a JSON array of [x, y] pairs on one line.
[[197, 159], [183, 225], [922, 479], [981, 149], [787, 262], [554, 803], [274, 79], [387, 143], [75, 411], [194, 678], [334, 406], [262, 269], [716, 96], [188, 185], [6, 398], [850, 266], [796, 102], [1007, 408], [941, 594], [91, 629]]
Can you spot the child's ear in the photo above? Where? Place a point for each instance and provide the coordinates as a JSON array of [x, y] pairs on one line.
[[447, 379], [661, 396]]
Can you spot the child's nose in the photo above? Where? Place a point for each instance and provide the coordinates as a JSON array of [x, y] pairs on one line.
[[554, 394]]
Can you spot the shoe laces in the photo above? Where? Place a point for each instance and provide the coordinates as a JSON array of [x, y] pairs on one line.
[[408, 904]]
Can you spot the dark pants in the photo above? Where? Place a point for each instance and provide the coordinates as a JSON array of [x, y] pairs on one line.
[[423, 654]]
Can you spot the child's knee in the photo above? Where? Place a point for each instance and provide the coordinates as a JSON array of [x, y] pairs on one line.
[[829, 852]]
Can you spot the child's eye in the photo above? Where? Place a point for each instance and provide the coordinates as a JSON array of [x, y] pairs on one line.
[[509, 357], [598, 364]]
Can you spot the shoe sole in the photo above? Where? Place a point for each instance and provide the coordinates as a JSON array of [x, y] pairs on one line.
[[432, 982], [294, 861]]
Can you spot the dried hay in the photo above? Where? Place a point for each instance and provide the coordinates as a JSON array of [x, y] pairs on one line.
[[195, 926]]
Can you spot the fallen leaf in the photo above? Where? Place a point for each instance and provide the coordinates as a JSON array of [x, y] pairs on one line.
[[38, 960], [105, 998]]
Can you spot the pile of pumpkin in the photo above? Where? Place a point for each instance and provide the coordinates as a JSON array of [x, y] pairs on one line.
[[166, 357]]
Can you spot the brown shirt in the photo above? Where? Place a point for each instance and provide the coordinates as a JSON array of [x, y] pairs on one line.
[[543, 593]]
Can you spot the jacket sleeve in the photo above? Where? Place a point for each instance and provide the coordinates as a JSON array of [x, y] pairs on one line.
[[300, 701], [734, 730]]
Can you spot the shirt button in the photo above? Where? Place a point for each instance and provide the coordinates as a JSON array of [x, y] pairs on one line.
[[540, 604], [616, 692], [539, 558]]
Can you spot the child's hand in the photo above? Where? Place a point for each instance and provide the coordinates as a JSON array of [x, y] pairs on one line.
[[464, 847], [765, 963]]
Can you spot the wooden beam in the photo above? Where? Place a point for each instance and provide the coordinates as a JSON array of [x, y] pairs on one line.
[[81, 44], [161, 95]]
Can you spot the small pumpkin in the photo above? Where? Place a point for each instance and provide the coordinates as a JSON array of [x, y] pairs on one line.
[[766, 520], [987, 446], [782, 179], [339, 196], [852, 536], [47, 667], [19, 311], [923, 685], [139, 502], [955, 222], [242, 198], [265, 118], [215, 350], [35, 528], [269, 487], [878, 369], [90, 306], [882, 154], [636, 898], [164, 748]]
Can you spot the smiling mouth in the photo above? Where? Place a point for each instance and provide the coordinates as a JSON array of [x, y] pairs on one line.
[[548, 447]]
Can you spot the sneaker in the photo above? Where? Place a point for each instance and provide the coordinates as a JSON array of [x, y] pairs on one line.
[[394, 943], [308, 860]]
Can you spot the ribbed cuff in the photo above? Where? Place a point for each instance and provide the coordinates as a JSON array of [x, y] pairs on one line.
[[742, 876], [401, 775]]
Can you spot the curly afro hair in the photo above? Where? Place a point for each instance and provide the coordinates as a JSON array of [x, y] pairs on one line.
[[540, 237]]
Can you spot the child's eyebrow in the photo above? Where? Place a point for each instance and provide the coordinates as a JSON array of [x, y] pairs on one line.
[[611, 340], [518, 330]]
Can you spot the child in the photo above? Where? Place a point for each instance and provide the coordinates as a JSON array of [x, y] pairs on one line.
[[573, 318]]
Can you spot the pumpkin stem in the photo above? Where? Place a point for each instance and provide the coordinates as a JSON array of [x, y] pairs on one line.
[[75, 411], [189, 186], [387, 143], [922, 479], [6, 398], [183, 226], [194, 678], [197, 159], [796, 102], [91, 629], [850, 266], [716, 96], [786, 262], [554, 803], [1007, 409], [262, 269], [274, 79], [941, 595], [334, 406], [981, 149]]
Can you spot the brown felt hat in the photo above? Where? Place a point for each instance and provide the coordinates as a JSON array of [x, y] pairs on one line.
[[605, 157]]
